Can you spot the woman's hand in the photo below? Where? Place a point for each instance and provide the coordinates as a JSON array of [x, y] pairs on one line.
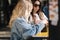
[[37, 21], [46, 22]]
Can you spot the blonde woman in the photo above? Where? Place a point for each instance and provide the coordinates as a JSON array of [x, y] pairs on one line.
[[21, 28]]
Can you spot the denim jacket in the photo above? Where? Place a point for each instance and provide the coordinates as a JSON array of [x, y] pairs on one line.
[[21, 30]]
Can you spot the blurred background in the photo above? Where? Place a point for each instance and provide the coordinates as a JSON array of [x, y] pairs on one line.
[[53, 17], [6, 7]]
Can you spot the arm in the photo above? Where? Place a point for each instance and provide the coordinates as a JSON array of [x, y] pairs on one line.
[[27, 29]]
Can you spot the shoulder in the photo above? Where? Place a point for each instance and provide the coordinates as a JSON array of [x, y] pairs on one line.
[[41, 13], [18, 21]]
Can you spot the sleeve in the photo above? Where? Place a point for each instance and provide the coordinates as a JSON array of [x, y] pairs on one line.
[[30, 30], [43, 16], [15, 35], [27, 29]]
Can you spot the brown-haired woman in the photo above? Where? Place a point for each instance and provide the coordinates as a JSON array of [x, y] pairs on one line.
[[37, 13]]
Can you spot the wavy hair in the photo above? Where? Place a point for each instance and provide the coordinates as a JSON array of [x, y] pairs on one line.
[[19, 10]]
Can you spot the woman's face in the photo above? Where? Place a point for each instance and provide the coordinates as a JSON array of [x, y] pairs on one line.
[[36, 6]]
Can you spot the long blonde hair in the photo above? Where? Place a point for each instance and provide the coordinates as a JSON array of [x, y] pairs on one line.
[[19, 11]]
